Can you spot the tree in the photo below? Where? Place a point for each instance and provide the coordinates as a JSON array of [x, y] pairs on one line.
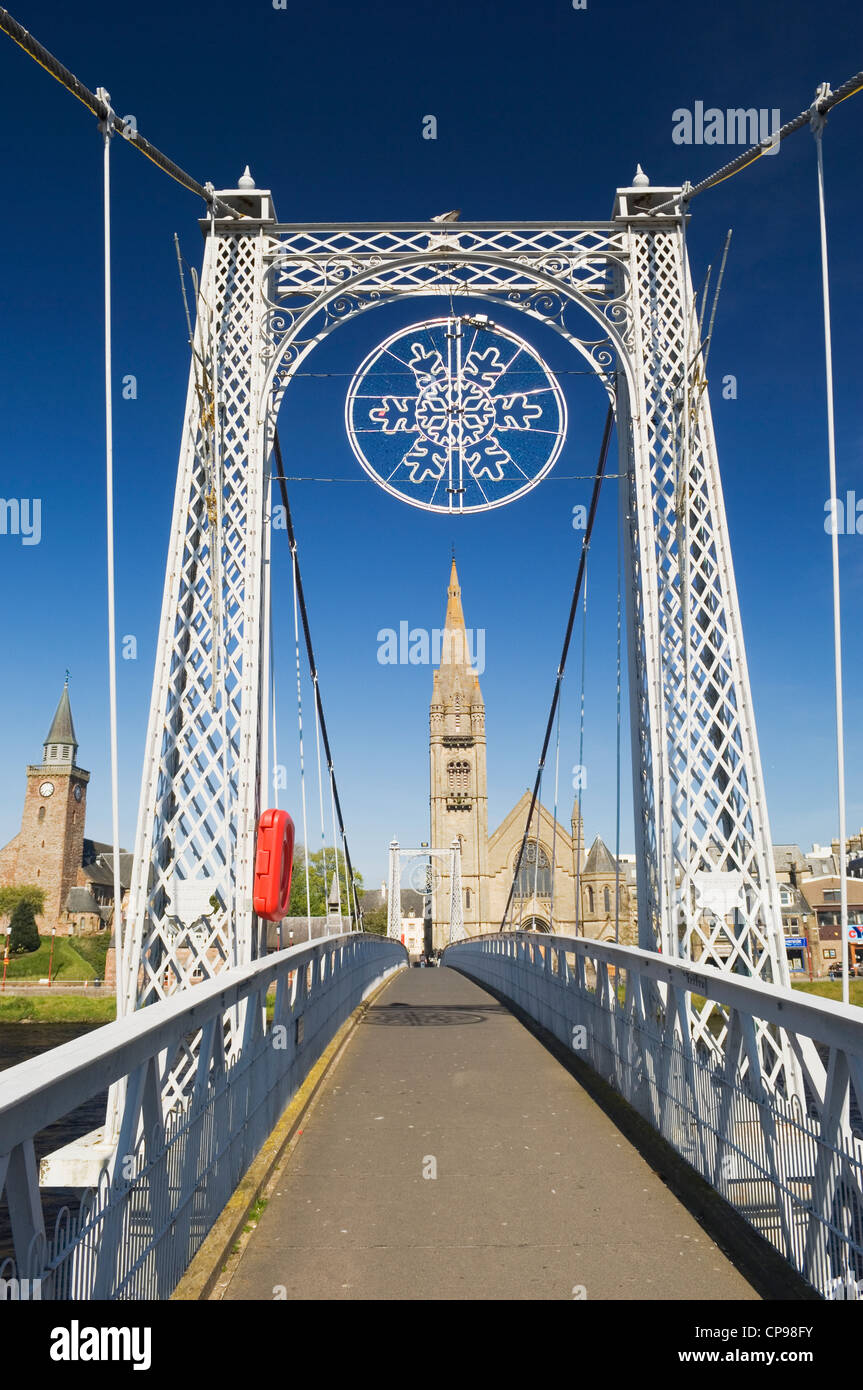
[[322, 866], [24, 934], [15, 893], [375, 921]]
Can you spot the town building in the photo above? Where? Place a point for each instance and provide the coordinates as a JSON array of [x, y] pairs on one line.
[[559, 888], [51, 850]]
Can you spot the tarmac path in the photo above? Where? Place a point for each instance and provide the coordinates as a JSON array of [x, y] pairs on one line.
[[450, 1155]]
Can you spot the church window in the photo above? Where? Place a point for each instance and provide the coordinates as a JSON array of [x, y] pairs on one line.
[[458, 776], [467, 897], [606, 899], [41, 815], [535, 872], [590, 899], [457, 707]]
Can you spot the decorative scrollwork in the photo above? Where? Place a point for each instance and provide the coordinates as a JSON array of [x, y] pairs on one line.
[[318, 280]]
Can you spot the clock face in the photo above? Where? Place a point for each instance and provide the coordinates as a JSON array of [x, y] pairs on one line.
[[46, 789], [78, 793]]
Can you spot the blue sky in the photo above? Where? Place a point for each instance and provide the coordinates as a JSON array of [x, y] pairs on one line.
[[542, 112]]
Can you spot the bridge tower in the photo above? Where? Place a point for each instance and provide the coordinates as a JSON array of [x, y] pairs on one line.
[[204, 777], [617, 292]]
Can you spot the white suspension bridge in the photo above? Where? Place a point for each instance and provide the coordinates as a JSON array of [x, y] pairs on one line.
[[758, 1089]]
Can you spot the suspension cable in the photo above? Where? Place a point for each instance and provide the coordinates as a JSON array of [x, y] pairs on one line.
[[817, 130], [101, 109], [351, 881], [554, 821], [119, 934], [600, 470], [579, 844], [821, 106], [302, 761], [129, 131], [617, 747], [321, 804], [336, 852]]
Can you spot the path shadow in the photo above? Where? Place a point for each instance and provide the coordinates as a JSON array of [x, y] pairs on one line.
[[428, 1016]]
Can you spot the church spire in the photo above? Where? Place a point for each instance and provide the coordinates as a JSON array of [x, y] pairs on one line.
[[457, 669], [454, 651], [60, 744]]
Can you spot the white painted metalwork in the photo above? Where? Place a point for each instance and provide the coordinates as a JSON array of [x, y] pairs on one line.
[[394, 896], [171, 1173], [701, 816], [456, 902], [455, 415], [792, 1167], [269, 294], [200, 788], [394, 893]]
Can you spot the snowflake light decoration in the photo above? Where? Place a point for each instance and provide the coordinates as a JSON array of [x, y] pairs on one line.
[[455, 415]]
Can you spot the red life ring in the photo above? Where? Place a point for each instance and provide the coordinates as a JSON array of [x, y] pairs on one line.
[[274, 862]]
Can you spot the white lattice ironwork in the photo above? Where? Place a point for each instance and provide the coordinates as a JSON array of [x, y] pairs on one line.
[[456, 903], [618, 293], [146, 1207], [190, 908], [394, 894], [426, 870], [794, 1171], [706, 884]]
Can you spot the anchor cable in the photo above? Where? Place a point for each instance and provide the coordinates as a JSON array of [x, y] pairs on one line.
[[102, 111], [119, 934], [351, 882], [823, 105], [600, 470], [818, 121]]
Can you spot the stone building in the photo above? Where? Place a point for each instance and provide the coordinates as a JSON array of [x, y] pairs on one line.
[[51, 849], [559, 888], [810, 892], [824, 894]]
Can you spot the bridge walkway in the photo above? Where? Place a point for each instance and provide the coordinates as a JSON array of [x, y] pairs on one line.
[[536, 1192]]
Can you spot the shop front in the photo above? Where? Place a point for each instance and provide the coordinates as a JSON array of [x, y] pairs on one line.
[[797, 953]]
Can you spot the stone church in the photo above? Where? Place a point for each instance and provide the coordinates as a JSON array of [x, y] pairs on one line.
[[51, 849], [560, 887]]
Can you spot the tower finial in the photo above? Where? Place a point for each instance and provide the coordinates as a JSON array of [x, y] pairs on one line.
[[67, 678]]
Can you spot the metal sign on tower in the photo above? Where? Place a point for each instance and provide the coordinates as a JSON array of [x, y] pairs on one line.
[[619, 295]]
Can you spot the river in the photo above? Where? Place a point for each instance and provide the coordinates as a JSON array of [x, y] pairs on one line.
[[18, 1043]]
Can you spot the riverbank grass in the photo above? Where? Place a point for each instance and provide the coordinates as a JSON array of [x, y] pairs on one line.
[[68, 963], [66, 1008]]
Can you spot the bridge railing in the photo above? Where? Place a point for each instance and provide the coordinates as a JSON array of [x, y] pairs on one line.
[[792, 1165], [171, 1174]]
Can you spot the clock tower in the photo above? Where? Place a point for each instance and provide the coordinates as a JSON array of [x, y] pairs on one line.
[[48, 849]]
